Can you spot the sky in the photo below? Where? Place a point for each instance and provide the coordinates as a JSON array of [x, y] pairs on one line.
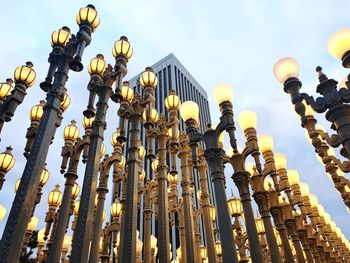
[[217, 41]]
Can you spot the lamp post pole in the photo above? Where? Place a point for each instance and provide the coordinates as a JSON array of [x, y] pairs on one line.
[[21, 210]]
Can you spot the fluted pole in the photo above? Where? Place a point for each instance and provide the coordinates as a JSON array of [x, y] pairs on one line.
[[147, 224]]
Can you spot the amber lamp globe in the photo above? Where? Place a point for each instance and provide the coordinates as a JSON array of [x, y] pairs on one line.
[[153, 242], [246, 120], [25, 74], [122, 47], [71, 131], [37, 111], [339, 43], [33, 223], [235, 206], [223, 93], [213, 213], [293, 177], [102, 150], [286, 68], [154, 165], [153, 116], [126, 91], [142, 175], [55, 196], [41, 235], [7, 160], [122, 162], [189, 110], [76, 207], [44, 177], [313, 200], [218, 248], [173, 179], [6, 88], [67, 241], [87, 122], [2, 212], [88, 15], [116, 209], [75, 190], [172, 101], [265, 143], [97, 65], [60, 36], [260, 225], [141, 152], [148, 78], [304, 189], [280, 161]]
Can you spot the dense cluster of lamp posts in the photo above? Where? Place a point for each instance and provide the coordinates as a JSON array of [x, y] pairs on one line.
[[290, 225]]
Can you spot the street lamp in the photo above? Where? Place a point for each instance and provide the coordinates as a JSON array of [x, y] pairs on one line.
[[7, 161]]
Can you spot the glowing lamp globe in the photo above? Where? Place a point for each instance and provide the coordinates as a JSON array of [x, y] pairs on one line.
[[122, 163], [7, 160], [17, 184], [2, 212], [223, 92], [139, 245], [75, 190], [114, 137], [142, 175], [218, 247], [172, 101], [25, 74], [87, 122], [154, 165], [313, 200], [265, 143], [37, 111], [67, 242], [33, 223], [122, 47], [286, 68], [153, 116], [44, 177], [148, 78], [55, 196], [153, 242], [280, 161], [304, 189], [126, 91], [235, 206], [260, 225], [320, 209], [189, 110], [71, 131], [339, 43], [141, 152], [88, 15], [212, 211], [6, 88], [76, 207], [97, 65], [293, 177], [116, 209], [61, 36], [41, 235], [246, 120], [102, 150]]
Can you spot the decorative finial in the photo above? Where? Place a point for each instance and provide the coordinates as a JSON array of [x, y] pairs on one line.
[[321, 76]]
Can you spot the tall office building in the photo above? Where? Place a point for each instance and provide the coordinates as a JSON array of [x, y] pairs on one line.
[[173, 75]]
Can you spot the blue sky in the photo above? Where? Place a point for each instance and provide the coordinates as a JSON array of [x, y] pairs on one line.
[[217, 41]]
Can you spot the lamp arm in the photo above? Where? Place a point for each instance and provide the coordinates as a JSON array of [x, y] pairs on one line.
[[343, 166], [344, 94], [319, 105], [332, 140]]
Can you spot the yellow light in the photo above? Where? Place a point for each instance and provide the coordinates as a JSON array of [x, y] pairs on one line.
[[278, 237], [139, 245], [189, 110], [97, 65], [2, 212], [235, 206], [75, 190], [153, 242], [67, 242], [33, 223], [142, 175], [76, 207], [327, 218], [141, 152], [170, 133], [37, 111], [26, 74], [55, 196], [280, 161], [114, 137], [7, 160], [154, 165], [173, 178], [286, 68], [265, 143], [41, 234], [341, 84], [320, 209], [61, 36], [304, 189], [102, 150], [313, 200], [122, 47], [71, 131], [203, 252], [246, 120], [5, 89], [87, 122], [268, 183], [260, 225], [172, 101], [126, 91], [213, 213], [17, 184], [148, 78], [293, 177], [339, 43], [44, 177], [223, 92], [122, 163], [218, 248], [154, 116], [88, 14]]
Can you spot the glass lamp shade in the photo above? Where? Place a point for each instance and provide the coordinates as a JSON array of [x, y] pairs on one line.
[[126, 91], [55, 196], [142, 175], [17, 184], [304, 189], [153, 242], [339, 43], [141, 152], [122, 47], [265, 143], [199, 195], [71, 131], [223, 92], [170, 133], [189, 110], [5, 89], [87, 122], [213, 213], [139, 245], [67, 242], [327, 218], [26, 74], [246, 120], [235, 206], [122, 163], [89, 15], [173, 179], [260, 225], [341, 84], [66, 101], [154, 116], [7, 160], [172, 102], [218, 248], [75, 190], [60, 36], [154, 165], [320, 209], [313, 200], [148, 78], [293, 177], [102, 150], [280, 161], [286, 68], [76, 207], [33, 223], [44, 177], [41, 235], [37, 111], [203, 252], [2, 212], [97, 65], [114, 137], [116, 209]]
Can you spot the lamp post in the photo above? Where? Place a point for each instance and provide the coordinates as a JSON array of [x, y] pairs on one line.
[[65, 55], [100, 84], [7, 161]]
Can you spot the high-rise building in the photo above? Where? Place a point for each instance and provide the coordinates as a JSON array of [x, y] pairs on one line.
[[173, 75]]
